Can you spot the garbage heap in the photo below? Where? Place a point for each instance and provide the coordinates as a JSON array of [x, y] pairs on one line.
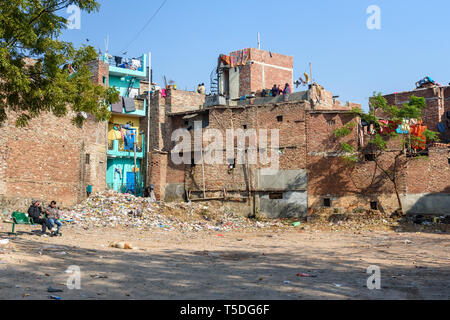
[[112, 209]]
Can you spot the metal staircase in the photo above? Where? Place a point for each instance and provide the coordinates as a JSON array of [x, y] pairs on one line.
[[214, 77]]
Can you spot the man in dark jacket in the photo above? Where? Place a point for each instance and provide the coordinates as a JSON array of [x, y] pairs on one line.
[[275, 90], [35, 212]]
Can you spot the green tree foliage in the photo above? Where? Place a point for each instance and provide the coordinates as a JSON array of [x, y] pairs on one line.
[[30, 29], [378, 143]]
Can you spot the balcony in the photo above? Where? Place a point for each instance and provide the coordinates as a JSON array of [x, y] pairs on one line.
[[121, 66], [116, 149], [141, 107]]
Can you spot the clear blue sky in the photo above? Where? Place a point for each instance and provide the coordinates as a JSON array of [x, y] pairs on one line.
[[186, 37]]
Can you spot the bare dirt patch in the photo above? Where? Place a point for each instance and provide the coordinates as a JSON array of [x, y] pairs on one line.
[[235, 264]]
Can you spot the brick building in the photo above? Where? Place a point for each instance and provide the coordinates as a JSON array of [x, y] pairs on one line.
[[438, 106], [52, 159], [311, 173], [250, 70]]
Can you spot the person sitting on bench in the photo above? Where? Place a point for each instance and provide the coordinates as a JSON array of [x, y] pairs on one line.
[[53, 216], [35, 212]]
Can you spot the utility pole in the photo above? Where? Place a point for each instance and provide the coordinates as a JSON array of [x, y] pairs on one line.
[[135, 163], [149, 97]]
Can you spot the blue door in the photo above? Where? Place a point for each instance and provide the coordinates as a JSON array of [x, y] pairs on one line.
[[131, 186]]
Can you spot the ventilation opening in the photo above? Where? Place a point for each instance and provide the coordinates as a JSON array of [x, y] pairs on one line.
[[327, 202], [88, 158], [374, 205], [275, 195], [331, 123], [280, 118], [231, 165], [244, 126], [370, 157]]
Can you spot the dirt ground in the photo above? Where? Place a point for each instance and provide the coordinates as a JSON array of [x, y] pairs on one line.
[[261, 265]]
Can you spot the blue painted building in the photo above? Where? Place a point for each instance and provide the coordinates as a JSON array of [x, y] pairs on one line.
[[126, 140]]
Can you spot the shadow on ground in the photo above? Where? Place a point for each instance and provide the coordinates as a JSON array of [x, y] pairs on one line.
[[252, 273]]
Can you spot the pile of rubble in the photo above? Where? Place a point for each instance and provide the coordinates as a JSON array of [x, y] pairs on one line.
[[112, 209]]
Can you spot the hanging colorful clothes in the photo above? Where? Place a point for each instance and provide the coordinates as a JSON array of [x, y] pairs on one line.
[[239, 58], [114, 135], [225, 59], [420, 141], [404, 127], [388, 127]]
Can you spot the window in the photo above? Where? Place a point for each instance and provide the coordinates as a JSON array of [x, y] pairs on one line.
[[245, 127], [331, 123], [327, 202], [88, 158], [275, 195], [374, 205], [280, 118], [104, 80], [370, 157]]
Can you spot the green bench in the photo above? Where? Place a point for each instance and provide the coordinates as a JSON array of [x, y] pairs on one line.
[[20, 218]]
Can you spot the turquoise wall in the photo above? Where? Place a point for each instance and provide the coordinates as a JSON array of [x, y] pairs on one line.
[[121, 83], [113, 179]]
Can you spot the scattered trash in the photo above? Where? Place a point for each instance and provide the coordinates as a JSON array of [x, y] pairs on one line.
[[112, 209], [122, 245], [4, 241], [408, 242], [337, 285], [96, 276], [55, 297], [220, 235], [287, 282], [53, 290], [306, 275], [62, 253], [296, 224]]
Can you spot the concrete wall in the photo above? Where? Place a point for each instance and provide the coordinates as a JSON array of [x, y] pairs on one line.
[[427, 203], [293, 204], [234, 83], [283, 180]]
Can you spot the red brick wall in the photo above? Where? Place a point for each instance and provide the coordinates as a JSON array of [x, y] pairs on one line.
[[182, 101], [47, 160], [292, 142], [434, 112], [430, 175], [265, 69], [158, 172], [99, 69]]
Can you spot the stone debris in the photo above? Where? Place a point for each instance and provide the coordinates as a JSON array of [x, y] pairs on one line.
[[112, 209]]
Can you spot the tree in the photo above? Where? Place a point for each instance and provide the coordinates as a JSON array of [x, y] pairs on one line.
[[378, 142], [56, 78]]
